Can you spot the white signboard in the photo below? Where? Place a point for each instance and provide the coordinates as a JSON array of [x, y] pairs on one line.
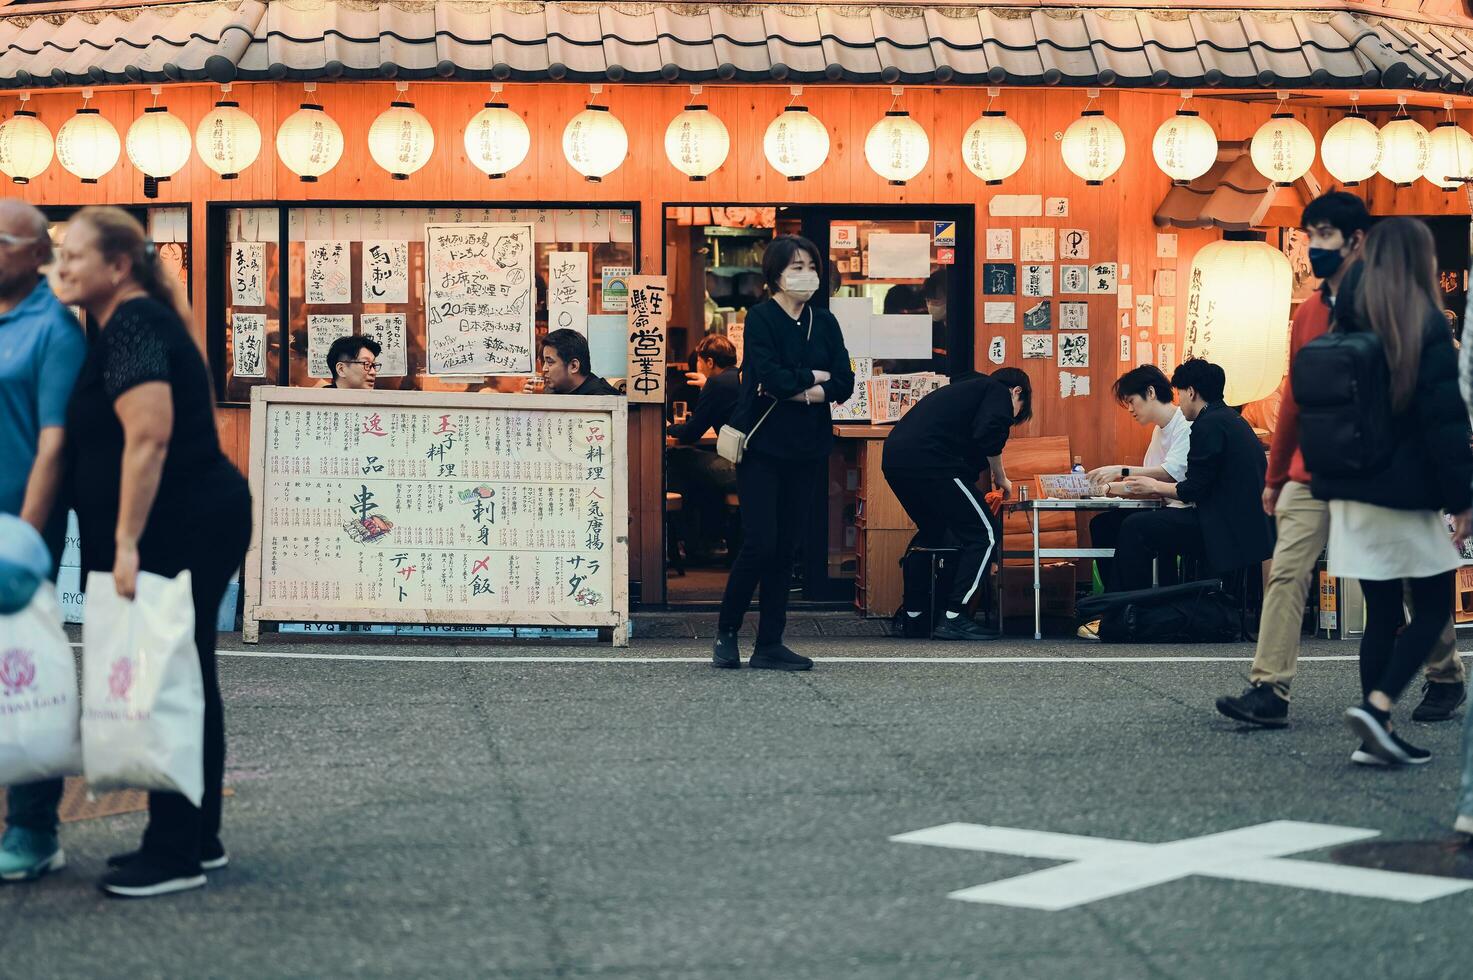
[[247, 274], [385, 272], [329, 274], [390, 330], [248, 344], [480, 299], [567, 291]]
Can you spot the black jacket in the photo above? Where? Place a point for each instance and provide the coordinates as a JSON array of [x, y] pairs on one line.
[[779, 357], [594, 385], [1225, 468], [713, 409], [952, 431]]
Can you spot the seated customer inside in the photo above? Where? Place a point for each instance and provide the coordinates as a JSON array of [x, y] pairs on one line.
[[566, 369], [353, 363], [694, 470]]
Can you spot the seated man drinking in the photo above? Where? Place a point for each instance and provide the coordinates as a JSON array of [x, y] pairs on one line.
[[696, 471]]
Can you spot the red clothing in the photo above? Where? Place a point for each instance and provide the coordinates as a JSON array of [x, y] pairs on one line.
[[1285, 461]]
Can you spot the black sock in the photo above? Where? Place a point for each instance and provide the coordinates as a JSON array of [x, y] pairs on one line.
[[1382, 716]]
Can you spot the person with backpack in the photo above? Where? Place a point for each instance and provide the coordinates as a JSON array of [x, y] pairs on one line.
[[1386, 438]]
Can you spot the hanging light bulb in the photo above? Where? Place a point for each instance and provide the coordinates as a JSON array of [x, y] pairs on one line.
[[158, 142], [994, 146], [401, 139], [796, 143], [1449, 153], [1351, 149], [497, 139], [696, 141], [1283, 148], [228, 140], [1093, 146], [87, 145], [309, 142], [594, 141], [1185, 145], [897, 146], [25, 145], [1405, 146]]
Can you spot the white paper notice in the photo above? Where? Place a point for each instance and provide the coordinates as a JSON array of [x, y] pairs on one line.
[[899, 257], [1073, 279], [999, 311], [997, 350], [385, 272], [999, 243], [479, 299], [1016, 206], [390, 330], [1166, 282], [1038, 346], [1038, 280], [1074, 350], [1142, 353], [1145, 311], [1056, 207], [1125, 296], [1125, 348], [1073, 243], [329, 275], [1166, 320], [248, 338], [567, 291], [322, 330], [900, 335], [623, 230], [1072, 385], [1102, 278], [854, 314], [1166, 358], [1037, 245], [1165, 245], [1073, 316], [247, 275]]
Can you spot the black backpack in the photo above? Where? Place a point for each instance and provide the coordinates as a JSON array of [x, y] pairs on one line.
[[1343, 388], [1193, 612]]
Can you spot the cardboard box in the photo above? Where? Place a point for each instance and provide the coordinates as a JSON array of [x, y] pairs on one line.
[[1056, 582], [1463, 598]]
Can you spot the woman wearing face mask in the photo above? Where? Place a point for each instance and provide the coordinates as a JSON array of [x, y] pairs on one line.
[[795, 365]]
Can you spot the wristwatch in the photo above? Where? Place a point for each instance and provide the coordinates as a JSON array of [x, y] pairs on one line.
[[1124, 471]]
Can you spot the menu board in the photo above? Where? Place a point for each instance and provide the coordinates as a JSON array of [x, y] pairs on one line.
[[436, 507], [480, 299]]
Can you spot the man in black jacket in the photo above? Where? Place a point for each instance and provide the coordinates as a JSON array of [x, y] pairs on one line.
[[932, 460], [1224, 483], [695, 471]]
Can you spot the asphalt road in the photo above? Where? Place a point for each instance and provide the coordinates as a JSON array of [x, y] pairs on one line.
[[654, 820]]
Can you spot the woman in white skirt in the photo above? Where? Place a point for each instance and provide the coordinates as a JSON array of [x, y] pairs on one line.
[[1388, 528]]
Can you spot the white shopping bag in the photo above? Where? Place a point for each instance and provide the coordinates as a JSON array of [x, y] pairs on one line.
[[143, 699], [39, 738]]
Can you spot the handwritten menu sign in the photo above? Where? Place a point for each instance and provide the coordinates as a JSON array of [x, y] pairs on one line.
[[247, 274], [390, 331], [648, 312], [385, 272], [567, 291], [480, 298], [428, 507], [329, 277], [248, 341], [322, 330]]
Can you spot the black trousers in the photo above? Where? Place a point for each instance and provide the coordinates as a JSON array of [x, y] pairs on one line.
[[1149, 535], [776, 496], [948, 511], [1388, 660], [1104, 532]]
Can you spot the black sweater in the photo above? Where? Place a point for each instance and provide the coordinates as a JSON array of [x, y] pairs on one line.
[[952, 431], [779, 359], [713, 409]]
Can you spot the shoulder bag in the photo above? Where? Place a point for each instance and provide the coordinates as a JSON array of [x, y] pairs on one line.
[[731, 442]]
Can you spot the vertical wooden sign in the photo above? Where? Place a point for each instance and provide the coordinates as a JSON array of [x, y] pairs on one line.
[[648, 313]]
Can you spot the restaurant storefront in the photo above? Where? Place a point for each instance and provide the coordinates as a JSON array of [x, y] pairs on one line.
[[1076, 263]]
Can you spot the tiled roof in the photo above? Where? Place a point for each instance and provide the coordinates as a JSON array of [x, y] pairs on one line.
[[1232, 195], [1044, 44]]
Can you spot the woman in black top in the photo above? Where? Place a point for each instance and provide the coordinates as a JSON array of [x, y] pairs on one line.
[[795, 365], [152, 493]]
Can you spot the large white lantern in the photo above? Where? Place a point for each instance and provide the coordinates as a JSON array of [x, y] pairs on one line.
[[696, 142], [897, 147], [994, 147], [1405, 146], [1238, 316], [1282, 149], [25, 147], [1351, 150], [497, 140], [401, 140], [88, 146], [1449, 156], [1185, 146], [309, 142], [595, 143], [228, 140], [1093, 147], [796, 143], [158, 143]]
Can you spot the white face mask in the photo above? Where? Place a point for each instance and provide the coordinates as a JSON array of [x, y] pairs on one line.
[[801, 285], [937, 310]]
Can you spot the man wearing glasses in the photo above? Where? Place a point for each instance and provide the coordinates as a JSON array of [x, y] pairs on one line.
[[353, 362]]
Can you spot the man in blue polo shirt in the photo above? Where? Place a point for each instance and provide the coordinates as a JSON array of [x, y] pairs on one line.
[[41, 352]]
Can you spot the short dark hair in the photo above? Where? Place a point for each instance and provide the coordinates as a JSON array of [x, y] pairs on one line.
[[780, 252], [1339, 209], [1206, 378], [904, 299], [570, 346], [347, 349], [1011, 377], [1147, 377], [719, 349], [935, 286]]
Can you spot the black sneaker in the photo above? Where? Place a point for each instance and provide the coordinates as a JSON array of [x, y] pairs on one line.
[[1440, 701], [145, 879], [964, 627], [910, 627], [1363, 756], [212, 857], [778, 658], [1259, 705], [725, 653], [1378, 739]]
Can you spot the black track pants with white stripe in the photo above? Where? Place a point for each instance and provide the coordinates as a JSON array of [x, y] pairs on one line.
[[948, 512]]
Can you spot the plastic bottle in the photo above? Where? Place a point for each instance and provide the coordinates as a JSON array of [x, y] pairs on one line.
[[1078, 465]]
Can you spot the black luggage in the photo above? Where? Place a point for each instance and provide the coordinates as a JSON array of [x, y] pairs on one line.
[[1193, 612]]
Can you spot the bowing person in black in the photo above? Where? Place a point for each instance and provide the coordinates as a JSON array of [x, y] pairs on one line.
[[795, 365]]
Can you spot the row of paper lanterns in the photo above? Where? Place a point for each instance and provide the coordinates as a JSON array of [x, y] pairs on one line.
[[310, 143]]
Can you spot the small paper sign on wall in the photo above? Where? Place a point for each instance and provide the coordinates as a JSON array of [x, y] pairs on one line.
[[648, 314]]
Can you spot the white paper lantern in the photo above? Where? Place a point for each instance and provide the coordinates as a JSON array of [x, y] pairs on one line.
[[994, 147], [1282, 149], [25, 147], [897, 147], [696, 142], [401, 140], [309, 142], [1185, 146], [88, 146], [796, 143], [228, 140], [1238, 316], [1093, 147], [1351, 150], [1449, 156], [1405, 146], [158, 143], [595, 143], [497, 140]]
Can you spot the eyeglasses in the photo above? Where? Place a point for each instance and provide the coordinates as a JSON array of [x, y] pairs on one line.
[[367, 365]]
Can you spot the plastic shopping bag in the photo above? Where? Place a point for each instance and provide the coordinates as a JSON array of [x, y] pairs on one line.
[[143, 698], [39, 738]]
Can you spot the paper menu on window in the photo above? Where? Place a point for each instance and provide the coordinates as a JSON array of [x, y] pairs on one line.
[[322, 330], [854, 314], [901, 336], [480, 299], [248, 343], [329, 276], [385, 272], [247, 274], [904, 256], [567, 291], [390, 330]]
